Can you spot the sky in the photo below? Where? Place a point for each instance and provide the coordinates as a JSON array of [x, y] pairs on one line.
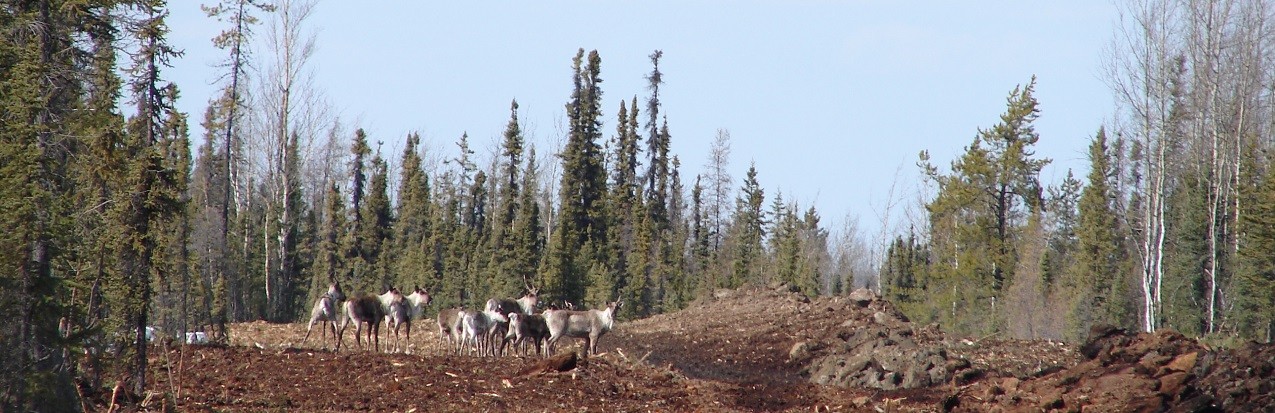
[[830, 100]]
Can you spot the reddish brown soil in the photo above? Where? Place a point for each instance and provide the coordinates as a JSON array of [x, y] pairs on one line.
[[727, 353]]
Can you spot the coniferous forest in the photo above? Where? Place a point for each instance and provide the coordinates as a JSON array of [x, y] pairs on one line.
[[117, 221]]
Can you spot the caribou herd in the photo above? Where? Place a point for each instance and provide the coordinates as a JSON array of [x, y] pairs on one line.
[[501, 325]]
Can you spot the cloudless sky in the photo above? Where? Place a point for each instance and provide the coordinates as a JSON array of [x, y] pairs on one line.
[[831, 100]]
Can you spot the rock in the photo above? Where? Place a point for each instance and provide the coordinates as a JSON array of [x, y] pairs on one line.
[[1185, 362], [1097, 343], [723, 293], [883, 318], [1172, 384], [799, 352], [1010, 383], [862, 297]]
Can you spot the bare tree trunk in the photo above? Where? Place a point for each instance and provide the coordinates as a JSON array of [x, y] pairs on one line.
[[288, 87], [1141, 73]]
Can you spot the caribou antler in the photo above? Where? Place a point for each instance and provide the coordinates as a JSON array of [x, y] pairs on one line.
[[527, 284]]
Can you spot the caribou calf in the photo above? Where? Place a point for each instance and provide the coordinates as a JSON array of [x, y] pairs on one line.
[[589, 325], [482, 328], [413, 305], [449, 327], [325, 310], [366, 309], [528, 328]]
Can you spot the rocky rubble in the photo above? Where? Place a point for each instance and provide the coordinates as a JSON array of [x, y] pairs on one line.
[[874, 348], [1128, 372]]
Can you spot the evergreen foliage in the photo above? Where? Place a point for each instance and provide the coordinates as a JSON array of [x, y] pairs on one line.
[[113, 225]]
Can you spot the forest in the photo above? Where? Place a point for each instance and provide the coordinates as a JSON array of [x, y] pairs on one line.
[[117, 221]]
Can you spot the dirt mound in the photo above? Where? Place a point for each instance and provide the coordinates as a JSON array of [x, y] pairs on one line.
[[1123, 371]]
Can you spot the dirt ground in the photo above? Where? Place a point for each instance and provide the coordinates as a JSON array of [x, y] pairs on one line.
[[740, 350]]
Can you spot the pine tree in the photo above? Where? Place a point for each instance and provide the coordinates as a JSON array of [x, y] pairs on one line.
[[978, 213]]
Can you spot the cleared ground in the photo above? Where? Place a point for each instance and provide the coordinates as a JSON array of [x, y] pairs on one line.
[[743, 350]]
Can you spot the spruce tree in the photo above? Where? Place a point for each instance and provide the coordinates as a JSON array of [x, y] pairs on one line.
[[330, 259], [412, 260], [699, 279], [1255, 277], [504, 239], [372, 265], [675, 289], [748, 230], [144, 200], [527, 236], [581, 226], [657, 146], [1098, 289], [37, 95]]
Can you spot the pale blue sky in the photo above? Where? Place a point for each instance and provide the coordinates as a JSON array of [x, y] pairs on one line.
[[832, 100]]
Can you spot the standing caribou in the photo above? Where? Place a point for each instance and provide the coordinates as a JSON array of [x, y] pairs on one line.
[[524, 305], [528, 330], [485, 331], [366, 309], [450, 328], [589, 325], [402, 309], [326, 311]]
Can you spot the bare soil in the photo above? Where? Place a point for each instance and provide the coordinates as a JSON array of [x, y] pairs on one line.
[[740, 350]]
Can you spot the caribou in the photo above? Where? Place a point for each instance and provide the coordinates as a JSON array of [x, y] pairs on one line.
[[366, 309], [400, 310], [450, 328], [589, 325], [325, 310], [528, 329], [482, 329], [524, 305]]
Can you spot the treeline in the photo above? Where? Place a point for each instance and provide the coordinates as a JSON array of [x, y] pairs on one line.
[[114, 226], [1173, 226]]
